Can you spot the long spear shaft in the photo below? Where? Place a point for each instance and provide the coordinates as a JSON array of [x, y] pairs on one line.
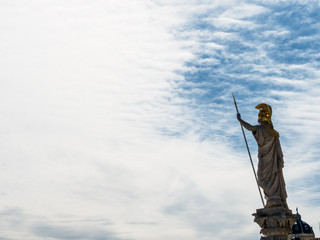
[[245, 139]]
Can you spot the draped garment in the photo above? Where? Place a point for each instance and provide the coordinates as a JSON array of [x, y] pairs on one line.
[[270, 175]]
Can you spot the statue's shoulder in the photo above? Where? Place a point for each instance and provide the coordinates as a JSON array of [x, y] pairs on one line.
[[260, 127], [262, 131]]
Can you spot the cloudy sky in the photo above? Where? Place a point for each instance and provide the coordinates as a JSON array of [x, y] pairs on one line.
[[117, 118]]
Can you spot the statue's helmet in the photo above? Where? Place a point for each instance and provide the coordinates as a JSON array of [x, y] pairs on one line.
[[265, 112]]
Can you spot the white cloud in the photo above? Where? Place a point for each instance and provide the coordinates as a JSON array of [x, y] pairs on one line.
[[243, 10], [97, 140]]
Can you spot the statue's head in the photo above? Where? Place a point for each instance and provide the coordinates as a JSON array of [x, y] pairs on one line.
[[265, 112]]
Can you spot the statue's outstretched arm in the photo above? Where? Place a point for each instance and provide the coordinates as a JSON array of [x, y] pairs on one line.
[[246, 125]]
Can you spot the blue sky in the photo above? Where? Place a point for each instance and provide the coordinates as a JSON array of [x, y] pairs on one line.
[[118, 120]]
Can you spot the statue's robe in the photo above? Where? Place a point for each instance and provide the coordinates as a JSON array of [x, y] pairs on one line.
[[270, 176]]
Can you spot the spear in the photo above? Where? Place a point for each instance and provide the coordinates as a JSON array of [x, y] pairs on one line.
[[245, 139]]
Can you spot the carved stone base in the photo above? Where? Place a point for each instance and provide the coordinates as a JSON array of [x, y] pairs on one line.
[[275, 222]]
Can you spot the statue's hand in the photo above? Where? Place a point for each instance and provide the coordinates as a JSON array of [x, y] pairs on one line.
[[238, 116]]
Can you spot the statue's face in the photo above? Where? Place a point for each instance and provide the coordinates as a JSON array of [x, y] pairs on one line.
[[263, 116]]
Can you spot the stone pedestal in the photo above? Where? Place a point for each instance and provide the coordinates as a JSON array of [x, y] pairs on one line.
[[275, 222]]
